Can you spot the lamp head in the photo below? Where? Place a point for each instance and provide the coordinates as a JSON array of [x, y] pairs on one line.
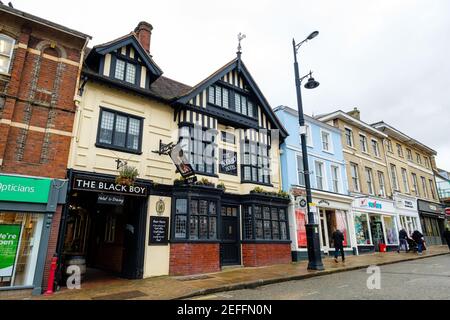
[[313, 35], [311, 84]]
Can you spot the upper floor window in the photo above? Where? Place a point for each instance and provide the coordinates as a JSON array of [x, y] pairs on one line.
[[219, 96], [319, 175], [255, 162], [389, 146], [125, 71], [424, 187], [335, 178], [405, 180], [119, 131], [375, 148], [363, 143], [399, 150], [355, 176], [369, 179], [228, 137], [200, 147], [349, 137], [427, 162], [409, 154], [300, 171], [433, 193], [394, 177], [6, 52], [382, 184], [415, 184], [308, 135], [419, 158], [243, 105], [326, 142]]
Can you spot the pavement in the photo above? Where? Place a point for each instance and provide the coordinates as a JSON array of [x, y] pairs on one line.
[[424, 279], [176, 288]]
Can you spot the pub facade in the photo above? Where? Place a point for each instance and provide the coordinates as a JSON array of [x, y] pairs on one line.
[[169, 179]]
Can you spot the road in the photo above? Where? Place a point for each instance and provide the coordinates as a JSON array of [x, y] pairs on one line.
[[420, 279]]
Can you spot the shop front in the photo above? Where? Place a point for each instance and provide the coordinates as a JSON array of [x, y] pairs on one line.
[[27, 209], [104, 227], [333, 212], [375, 225], [407, 214], [432, 218]]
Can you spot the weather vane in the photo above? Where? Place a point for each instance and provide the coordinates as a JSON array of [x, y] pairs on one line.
[[241, 37]]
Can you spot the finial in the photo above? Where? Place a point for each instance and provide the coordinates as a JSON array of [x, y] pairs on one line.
[[241, 37]]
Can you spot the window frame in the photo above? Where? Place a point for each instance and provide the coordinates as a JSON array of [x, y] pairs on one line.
[[302, 172], [409, 155], [127, 62], [322, 176], [382, 183], [330, 141], [400, 150], [335, 183], [363, 143], [375, 147], [432, 189], [394, 177], [249, 222], [369, 180], [352, 140], [11, 53], [405, 179], [357, 187], [415, 184], [111, 146], [424, 186], [259, 166]]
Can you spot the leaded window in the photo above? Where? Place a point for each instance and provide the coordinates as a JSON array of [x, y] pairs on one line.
[[202, 217], [219, 96], [125, 71], [255, 162], [267, 223], [200, 148]]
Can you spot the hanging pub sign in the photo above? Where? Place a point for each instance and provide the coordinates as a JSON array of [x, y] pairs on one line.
[[228, 162], [159, 231], [111, 199], [100, 184], [181, 162]]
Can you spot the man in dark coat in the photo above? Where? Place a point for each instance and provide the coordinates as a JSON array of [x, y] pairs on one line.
[[338, 240], [446, 236], [403, 236], [418, 238]]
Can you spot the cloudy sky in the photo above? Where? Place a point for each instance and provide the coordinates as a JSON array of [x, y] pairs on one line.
[[389, 58]]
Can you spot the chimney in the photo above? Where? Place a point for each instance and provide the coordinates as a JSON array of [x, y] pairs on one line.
[[144, 34], [355, 114]]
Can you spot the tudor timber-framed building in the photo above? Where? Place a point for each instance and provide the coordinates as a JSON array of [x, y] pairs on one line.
[[127, 110]]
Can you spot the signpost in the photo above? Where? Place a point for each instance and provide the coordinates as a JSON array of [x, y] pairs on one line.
[[9, 244]]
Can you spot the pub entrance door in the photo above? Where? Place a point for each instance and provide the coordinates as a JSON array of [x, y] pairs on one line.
[[230, 247]]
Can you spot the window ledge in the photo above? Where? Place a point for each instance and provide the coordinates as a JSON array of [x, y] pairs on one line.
[[5, 74], [109, 147]]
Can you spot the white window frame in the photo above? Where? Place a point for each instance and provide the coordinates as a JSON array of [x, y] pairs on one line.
[[405, 179], [338, 180], [400, 150], [369, 174], [10, 55], [377, 150], [365, 145], [380, 174], [432, 189], [309, 136], [330, 141], [324, 175], [358, 182], [415, 184], [409, 155], [394, 177], [351, 137], [297, 156], [424, 186]]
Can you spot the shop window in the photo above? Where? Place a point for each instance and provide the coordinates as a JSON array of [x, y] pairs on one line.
[[300, 217], [362, 229], [202, 217], [337, 220], [267, 223], [200, 147], [119, 131], [19, 245], [255, 162], [390, 230], [6, 52]]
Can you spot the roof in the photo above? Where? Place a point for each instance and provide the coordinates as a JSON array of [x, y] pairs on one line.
[[339, 114], [236, 63], [397, 134], [307, 118], [42, 21]]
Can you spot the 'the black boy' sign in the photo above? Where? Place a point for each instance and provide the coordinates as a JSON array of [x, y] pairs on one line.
[[228, 162]]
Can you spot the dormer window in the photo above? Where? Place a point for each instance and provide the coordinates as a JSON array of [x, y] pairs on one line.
[[219, 96], [125, 71]]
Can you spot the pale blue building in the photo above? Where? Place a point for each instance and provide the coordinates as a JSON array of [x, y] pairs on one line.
[[328, 180]]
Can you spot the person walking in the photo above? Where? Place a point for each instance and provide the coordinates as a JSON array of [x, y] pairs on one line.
[[418, 238], [446, 236], [338, 240], [403, 236]]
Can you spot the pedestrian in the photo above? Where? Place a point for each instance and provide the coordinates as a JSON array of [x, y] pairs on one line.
[[446, 236], [418, 238], [403, 236], [338, 240]]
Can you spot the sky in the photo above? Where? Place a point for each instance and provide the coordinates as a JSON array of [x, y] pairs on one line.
[[389, 58]]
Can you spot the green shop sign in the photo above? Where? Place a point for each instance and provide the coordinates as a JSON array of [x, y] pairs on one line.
[[21, 189], [9, 243]]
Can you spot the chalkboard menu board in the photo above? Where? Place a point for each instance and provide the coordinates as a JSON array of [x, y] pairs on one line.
[[159, 231]]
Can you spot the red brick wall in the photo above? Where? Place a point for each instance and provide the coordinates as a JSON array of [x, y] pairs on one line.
[[52, 243], [194, 258], [261, 254]]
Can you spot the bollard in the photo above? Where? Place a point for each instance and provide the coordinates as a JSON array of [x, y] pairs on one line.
[[51, 277]]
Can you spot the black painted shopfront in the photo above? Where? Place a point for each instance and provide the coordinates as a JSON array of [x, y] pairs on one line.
[[432, 218], [104, 226]]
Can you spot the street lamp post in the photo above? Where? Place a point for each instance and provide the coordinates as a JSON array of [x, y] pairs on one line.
[[312, 227]]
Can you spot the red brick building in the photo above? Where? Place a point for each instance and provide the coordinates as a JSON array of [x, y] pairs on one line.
[[40, 63]]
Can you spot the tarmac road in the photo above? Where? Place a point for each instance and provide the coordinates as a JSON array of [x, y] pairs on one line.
[[420, 279]]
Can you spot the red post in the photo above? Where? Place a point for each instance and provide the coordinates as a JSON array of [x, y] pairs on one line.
[[51, 277]]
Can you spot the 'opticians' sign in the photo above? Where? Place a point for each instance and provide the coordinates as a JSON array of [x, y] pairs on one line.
[[98, 184], [22, 189]]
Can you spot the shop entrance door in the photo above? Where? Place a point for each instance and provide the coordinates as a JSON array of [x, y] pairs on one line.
[[376, 227], [324, 231], [230, 253]]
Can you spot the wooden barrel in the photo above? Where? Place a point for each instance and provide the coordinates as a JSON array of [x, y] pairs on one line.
[[79, 261]]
